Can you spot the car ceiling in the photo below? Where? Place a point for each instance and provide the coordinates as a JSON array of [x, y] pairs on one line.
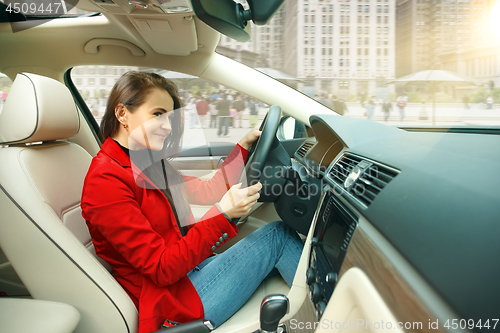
[[179, 42]]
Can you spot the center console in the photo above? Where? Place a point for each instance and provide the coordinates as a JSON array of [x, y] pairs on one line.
[[333, 232]]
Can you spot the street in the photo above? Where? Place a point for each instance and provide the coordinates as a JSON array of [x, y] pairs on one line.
[[450, 114], [453, 114]]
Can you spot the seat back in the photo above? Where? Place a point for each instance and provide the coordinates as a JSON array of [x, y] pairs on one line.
[[42, 232]]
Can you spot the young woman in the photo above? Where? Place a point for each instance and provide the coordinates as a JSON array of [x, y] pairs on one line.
[[137, 210]]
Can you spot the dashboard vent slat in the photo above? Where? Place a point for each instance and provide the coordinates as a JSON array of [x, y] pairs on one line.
[[366, 182], [302, 151]]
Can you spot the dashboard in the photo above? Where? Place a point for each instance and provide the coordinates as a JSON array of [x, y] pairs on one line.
[[417, 212]]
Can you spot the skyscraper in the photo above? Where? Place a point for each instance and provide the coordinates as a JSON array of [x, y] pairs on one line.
[[428, 29], [336, 47]]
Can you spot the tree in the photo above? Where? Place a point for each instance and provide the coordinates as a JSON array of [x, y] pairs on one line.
[[195, 90]]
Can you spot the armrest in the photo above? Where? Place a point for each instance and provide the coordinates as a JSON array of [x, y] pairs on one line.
[[18, 314], [198, 326]]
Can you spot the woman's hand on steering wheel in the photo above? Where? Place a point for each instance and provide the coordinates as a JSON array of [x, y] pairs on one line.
[[238, 201], [248, 140]]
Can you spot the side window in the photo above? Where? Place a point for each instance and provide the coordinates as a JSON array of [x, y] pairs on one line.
[[212, 113], [5, 84]]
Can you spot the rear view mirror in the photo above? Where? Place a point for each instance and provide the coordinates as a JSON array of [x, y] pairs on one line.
[[231, 19]]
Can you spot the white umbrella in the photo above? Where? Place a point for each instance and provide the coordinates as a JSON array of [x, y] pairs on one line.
[[436, 78]]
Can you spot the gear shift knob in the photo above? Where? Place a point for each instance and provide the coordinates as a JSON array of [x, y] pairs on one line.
[[272, 309]]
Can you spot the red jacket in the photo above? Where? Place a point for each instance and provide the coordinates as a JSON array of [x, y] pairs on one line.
[[202, 107], [134, 229]]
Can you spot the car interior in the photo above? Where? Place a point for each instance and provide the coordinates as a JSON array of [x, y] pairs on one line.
[[399, 226]]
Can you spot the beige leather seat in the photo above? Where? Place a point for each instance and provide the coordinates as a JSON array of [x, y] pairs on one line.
[[42, 232]]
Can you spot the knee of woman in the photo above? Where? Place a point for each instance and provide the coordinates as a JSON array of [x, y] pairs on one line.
[[280, 227]]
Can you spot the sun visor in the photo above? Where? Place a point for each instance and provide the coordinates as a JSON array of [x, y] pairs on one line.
[[175, 36]]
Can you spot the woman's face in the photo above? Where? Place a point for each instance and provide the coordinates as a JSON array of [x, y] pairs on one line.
[[149, 125]]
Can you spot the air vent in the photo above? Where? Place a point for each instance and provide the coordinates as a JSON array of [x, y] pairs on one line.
[[302, 151], [362, 178], [343, 168]]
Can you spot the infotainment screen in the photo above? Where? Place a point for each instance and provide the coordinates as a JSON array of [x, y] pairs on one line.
[[335, 231]]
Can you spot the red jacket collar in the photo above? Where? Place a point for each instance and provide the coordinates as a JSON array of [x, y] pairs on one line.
[[113, 150]]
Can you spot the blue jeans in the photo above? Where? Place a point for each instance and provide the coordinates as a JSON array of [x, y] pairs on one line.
[[226, 281]]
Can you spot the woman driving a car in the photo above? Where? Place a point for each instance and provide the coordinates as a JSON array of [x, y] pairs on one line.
[[136, 206]]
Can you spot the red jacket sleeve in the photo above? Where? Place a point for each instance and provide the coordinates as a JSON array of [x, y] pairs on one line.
[[143, 230], [208, 192]]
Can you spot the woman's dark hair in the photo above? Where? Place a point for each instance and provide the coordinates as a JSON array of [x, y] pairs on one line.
[[132, 90]]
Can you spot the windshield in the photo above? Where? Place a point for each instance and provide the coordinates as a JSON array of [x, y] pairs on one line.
[[414, 63]]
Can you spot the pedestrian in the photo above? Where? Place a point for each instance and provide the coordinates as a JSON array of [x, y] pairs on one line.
[[423, 112], [343, 105], [95, 107], [370, 108], [254, 111], [239, 106], [386, 108], [3, 97], [325, 101], [401, 104], [336, 105], [223, 106], [489, 103], [202, 110], [216, 96], [466, 102], [191, 112], [212, 109]]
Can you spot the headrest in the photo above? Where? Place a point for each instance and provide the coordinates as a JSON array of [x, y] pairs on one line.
[[38, 109]]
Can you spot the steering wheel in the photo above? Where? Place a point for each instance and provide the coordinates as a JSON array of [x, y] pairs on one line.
[[262, 146]]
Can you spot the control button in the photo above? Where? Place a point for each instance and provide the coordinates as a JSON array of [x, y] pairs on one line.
[[217, 244], [314, 241], [320, 309], [314, 292], [138, 4], [310, 276], [213, 248], [331, 278]]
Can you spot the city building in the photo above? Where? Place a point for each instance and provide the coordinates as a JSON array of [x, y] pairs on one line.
[[344, 48], [265, 48], [479, 59], [97, 81], [428, 29]]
